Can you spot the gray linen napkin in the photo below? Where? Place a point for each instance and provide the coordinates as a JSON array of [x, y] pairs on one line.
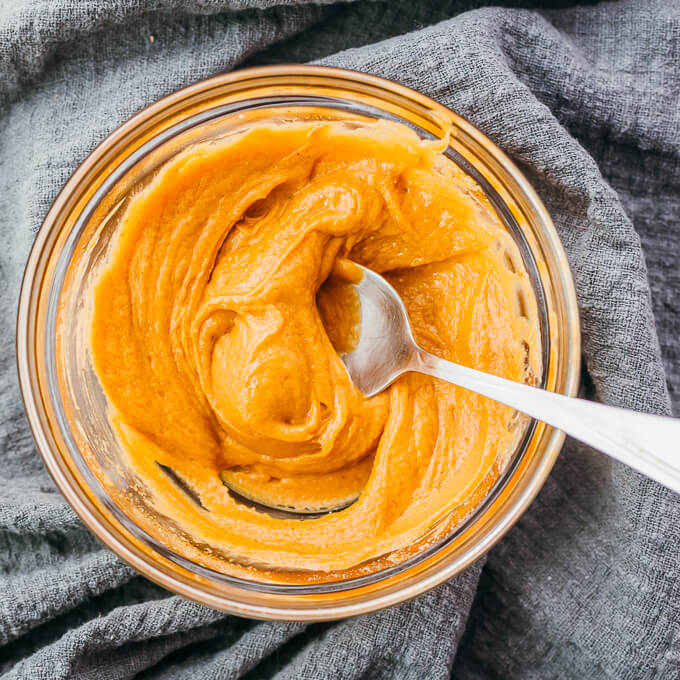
[[586, 99]]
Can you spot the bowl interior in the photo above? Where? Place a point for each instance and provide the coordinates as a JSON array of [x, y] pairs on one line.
[[79, 444]]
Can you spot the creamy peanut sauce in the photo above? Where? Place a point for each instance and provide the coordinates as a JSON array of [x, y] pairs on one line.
[[211, 330]]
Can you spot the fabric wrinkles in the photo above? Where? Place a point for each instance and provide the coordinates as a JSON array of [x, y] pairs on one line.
[[586, 99]]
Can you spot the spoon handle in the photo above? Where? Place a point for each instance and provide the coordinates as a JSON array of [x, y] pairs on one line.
[[649, 444]]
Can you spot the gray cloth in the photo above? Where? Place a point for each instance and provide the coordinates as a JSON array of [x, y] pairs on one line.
[[586, 99]]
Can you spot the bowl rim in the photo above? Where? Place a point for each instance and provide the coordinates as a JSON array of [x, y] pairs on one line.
[[92, 516]]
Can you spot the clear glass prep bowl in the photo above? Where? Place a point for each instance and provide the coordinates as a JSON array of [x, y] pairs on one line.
[[67, 409]]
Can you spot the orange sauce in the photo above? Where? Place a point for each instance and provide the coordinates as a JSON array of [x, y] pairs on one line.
[[215, 329]]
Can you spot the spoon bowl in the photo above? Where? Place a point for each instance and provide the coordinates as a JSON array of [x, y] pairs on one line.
[[386, 346]]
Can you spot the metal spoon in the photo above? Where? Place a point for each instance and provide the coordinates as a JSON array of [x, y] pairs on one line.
[[386, 349]]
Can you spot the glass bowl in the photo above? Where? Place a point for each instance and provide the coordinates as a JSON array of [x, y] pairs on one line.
[[67, 409]]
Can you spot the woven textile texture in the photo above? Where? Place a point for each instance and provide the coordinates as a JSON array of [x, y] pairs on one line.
[[586, 99]]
